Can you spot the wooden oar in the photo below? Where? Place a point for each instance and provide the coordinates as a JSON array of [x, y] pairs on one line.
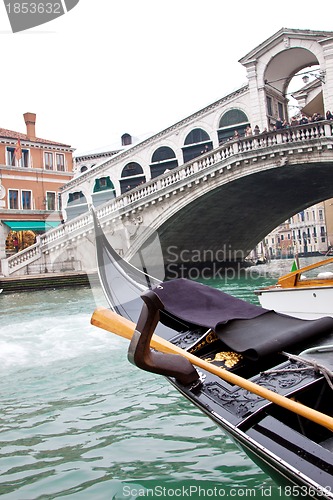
[[112, 322]]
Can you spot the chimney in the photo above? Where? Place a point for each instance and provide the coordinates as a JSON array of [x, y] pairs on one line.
[[30, 121], [126, 140]]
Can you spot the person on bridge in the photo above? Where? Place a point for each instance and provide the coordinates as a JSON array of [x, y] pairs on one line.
[[316, 117], [16, 244], [304, 120], [278, 124], [248, 131]]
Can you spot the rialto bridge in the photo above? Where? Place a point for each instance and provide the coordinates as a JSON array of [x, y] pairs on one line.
[[204, 194], [217, 206]]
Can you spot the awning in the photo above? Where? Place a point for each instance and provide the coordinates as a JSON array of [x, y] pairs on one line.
[[30, 225]]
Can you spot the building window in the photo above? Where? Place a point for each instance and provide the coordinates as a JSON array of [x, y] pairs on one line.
[[13, 198], [196, 135], [103, 191], [269, 106], [321, 214], [50, 200], [60, 159], [280, 111], [163, 153], [25, 158], [48, 161], [26, 200], [12, 161], [196, 143], [233, 117], [132, 175], [126, 140], [103, 184], [131, 169], [76, 198], [164, 158], [233, 120], [10, 156]]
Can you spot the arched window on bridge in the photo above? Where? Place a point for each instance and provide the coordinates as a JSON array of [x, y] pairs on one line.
[[232, 120], [83, 169], [163, 159], [77, 204], [196, 143], [131, 176], [103, 191]]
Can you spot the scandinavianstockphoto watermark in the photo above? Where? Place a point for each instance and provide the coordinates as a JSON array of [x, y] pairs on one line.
[[224, 263], [23, 14]]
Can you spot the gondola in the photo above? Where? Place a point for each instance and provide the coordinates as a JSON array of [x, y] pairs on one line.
[[261, 376]]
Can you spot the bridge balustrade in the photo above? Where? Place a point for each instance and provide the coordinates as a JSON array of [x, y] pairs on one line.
[[21, 259], [152, 189]]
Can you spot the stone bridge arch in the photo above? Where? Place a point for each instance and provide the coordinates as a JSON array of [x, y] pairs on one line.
[[277, 60], [226, 214], [285, 64]]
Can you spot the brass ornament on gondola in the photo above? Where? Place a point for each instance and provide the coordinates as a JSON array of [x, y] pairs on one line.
[[229, 358]]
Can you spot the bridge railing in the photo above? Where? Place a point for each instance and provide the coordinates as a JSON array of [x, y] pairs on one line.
[[21, 259], [168, 181]]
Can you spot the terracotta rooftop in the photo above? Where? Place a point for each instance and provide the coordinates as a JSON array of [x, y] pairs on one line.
[[10, 134]]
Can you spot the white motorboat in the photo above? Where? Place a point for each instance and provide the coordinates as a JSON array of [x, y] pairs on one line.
[[305, 293]]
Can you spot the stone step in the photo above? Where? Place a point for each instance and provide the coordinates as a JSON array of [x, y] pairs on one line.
[[47, 281]]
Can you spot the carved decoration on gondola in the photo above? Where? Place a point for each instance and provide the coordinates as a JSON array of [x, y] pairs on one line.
[[293, 374], [195, 340], [239, 402], [229, 358], [210, 338]]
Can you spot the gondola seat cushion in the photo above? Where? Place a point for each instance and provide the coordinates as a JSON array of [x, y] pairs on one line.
[[245, 328]]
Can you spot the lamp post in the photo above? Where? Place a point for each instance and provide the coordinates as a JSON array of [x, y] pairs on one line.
[[320, 76]]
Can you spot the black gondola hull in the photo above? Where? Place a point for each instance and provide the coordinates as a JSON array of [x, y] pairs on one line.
[[295, 453]]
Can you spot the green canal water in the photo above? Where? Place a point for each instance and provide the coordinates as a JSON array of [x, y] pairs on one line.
[[78, 421]]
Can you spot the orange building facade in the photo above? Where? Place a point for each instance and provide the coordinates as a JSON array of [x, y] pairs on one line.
[[32, 171]]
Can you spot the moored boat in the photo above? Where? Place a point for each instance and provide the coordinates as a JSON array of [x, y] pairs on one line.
[[305, 293], [263, 377]]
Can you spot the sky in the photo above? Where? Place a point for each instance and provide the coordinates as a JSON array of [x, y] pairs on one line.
[[110, 67]]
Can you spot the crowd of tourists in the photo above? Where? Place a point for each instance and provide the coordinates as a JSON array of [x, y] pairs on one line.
[[283, 124], [303, 120]]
